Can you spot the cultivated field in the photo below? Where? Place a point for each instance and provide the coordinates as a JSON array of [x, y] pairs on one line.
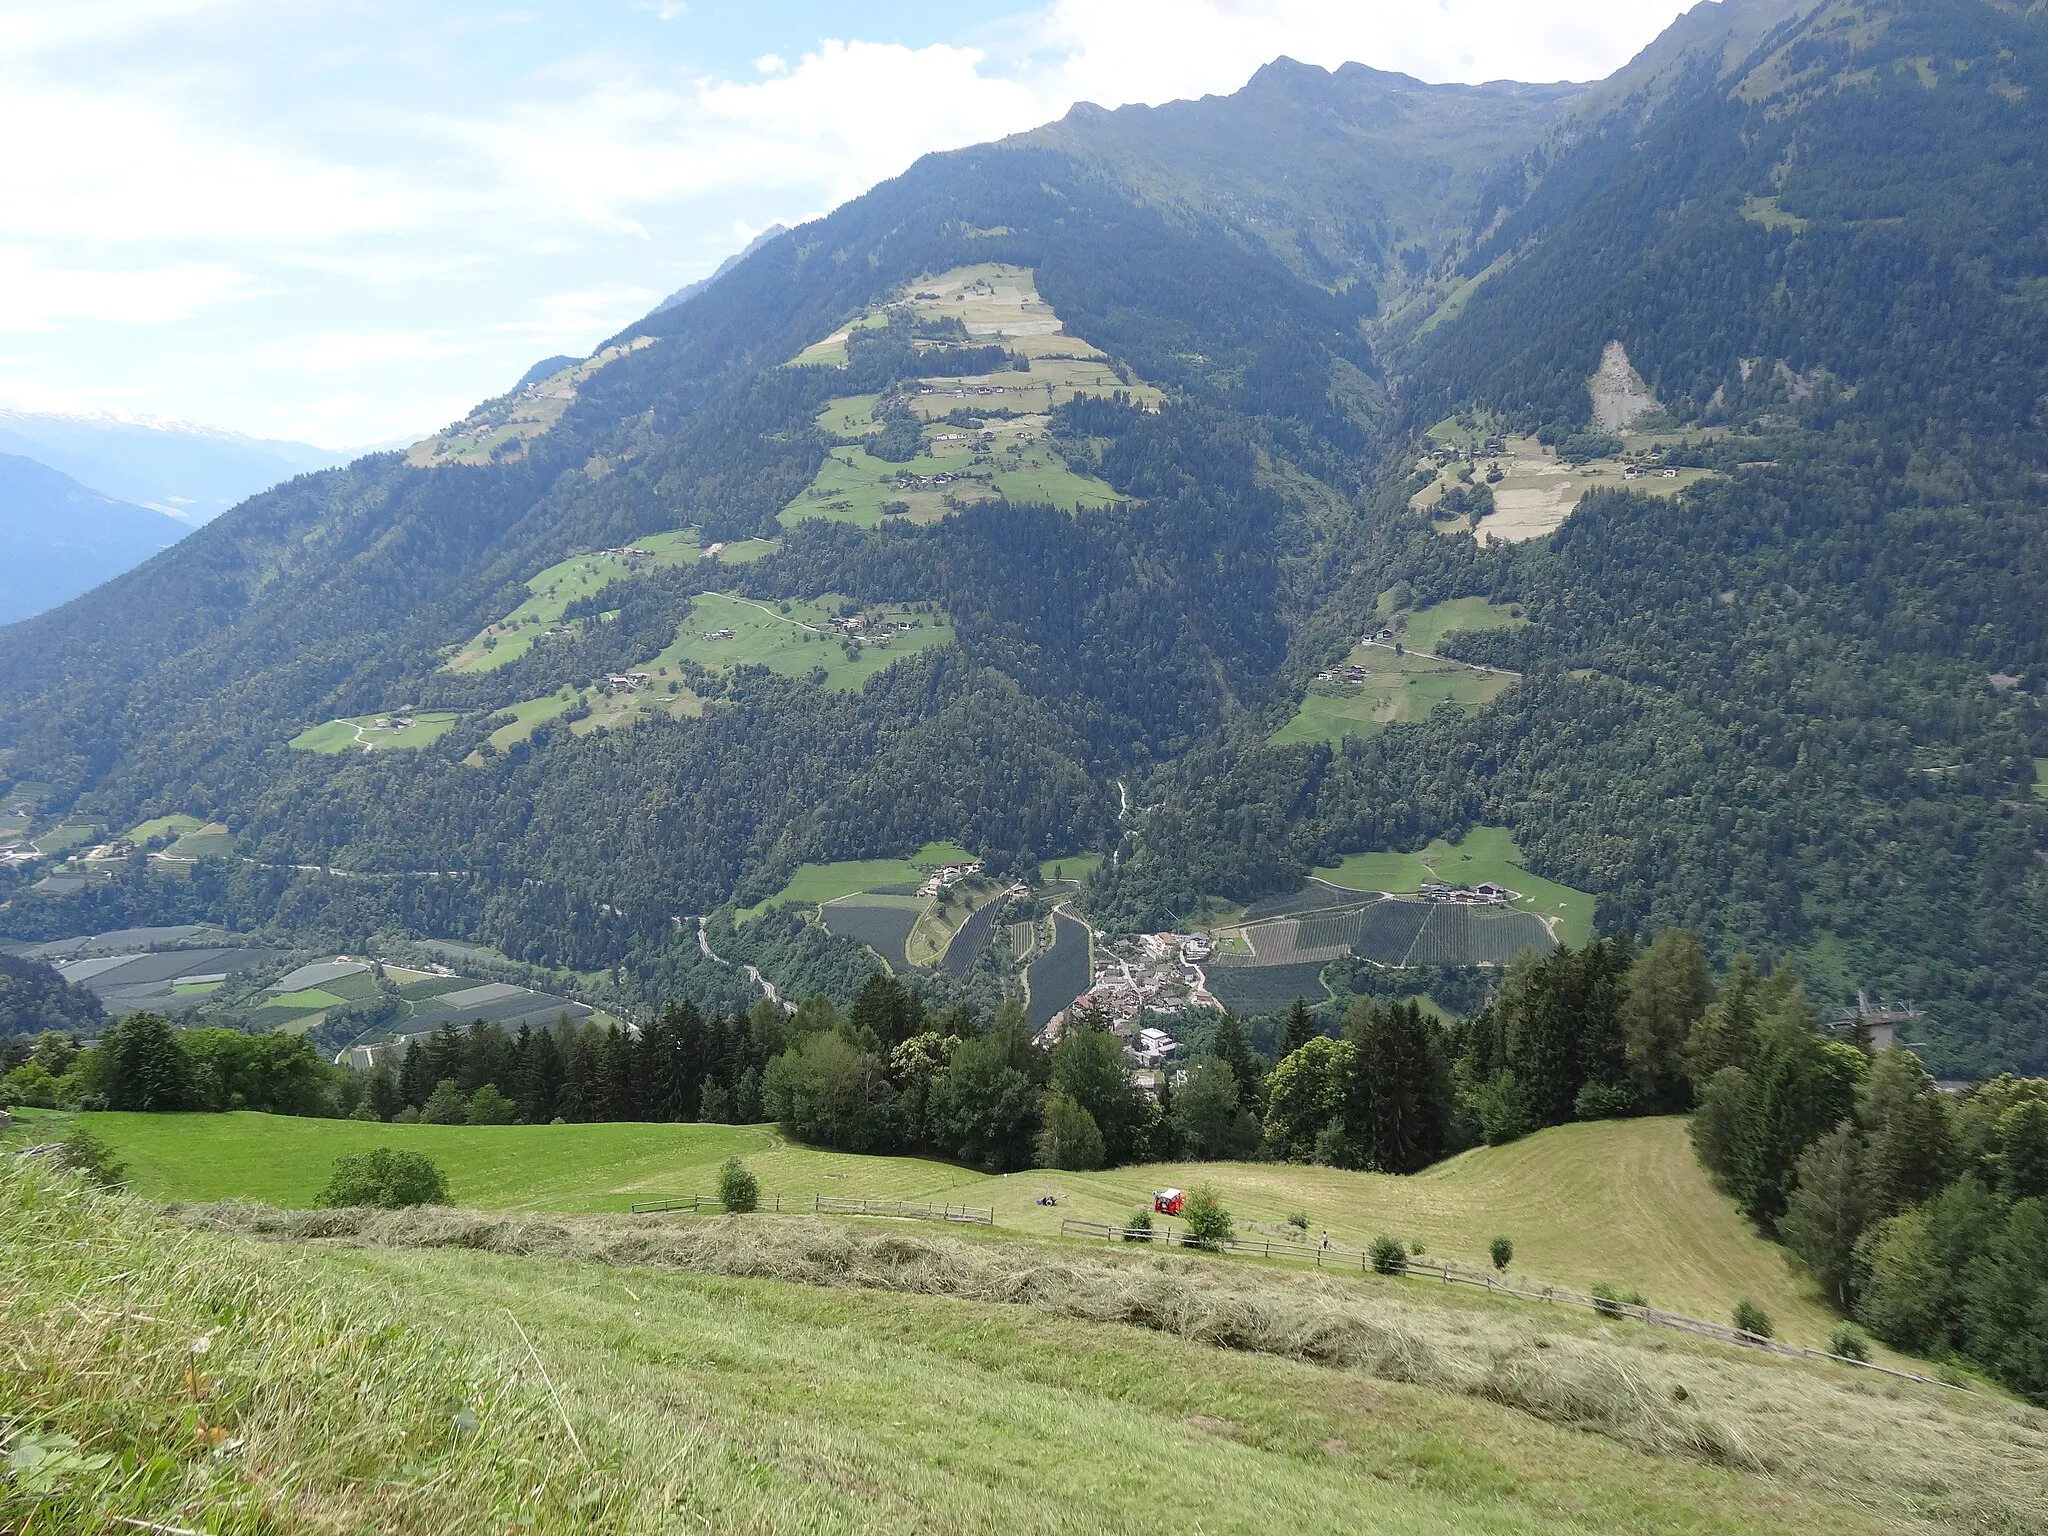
[[1538, 491], [1484, 854], [883, 923], [1060, 974], [772, 1375]]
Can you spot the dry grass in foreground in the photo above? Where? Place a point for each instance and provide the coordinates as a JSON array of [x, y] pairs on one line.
[[1911, 1455]]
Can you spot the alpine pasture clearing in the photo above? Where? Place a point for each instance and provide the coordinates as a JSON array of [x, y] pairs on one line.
[[371, 733], [550, 593], [168, 828], [1394, 689], [815, 884], [1624, 1200], [500, 429], [797, 638], [959, 466], [1537, 491], [1425, 628], [1074, 866], [1483, 854], [388, 1381]]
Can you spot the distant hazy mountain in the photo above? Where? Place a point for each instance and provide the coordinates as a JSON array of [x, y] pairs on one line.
[[58, 538], [193, 473], [691, 290]]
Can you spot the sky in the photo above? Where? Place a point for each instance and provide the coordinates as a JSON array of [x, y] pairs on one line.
[[345, 223]]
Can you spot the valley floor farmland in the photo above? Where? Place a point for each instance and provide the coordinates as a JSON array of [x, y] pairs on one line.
[[1623, 1201]]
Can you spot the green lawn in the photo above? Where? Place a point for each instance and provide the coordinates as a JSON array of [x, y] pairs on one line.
[[813, 884], [1427, 626], [72, 834], [550, 593], [1482, 854], [794, 643], [1397, 689], [527, 716], [363, 734]]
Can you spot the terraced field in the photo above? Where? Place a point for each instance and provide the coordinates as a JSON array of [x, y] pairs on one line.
[[1062, 973]]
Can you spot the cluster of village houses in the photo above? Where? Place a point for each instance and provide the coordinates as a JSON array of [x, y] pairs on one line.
[[1153, 973], [946, 876]]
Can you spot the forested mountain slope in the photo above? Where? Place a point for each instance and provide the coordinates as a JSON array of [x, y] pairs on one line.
[[1793, 701]]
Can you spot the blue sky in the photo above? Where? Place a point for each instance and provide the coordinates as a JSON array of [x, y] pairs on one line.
[[347, 222]]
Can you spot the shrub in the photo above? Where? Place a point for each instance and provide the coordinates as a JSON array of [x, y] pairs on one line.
[[1847, 1341], [84, 1153], [1602, 1101], [1502, 1250], [1389, 1255], [386, 1178], [1138, 1227], [1209, 1225], [1298, 1221], [1415, 1247], [406, 1116], [738, 1188], [1608, 1301], [487, 1106], [1751, 1318]]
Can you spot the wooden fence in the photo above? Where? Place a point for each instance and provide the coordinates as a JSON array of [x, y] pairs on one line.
[[830, 1205], [1452, 1273]]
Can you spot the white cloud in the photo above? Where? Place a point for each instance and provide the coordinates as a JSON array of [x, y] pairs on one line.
[[35, 296]]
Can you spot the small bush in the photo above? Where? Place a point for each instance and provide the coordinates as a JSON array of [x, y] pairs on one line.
[[1415, 1247], [1502, 1250], [1603, 1101], [1608, 1301], [385, 1178], [487, 1106], [1751, 1318], [1847, 1341], [1298, 1221], [1138, 1227], [738, 1188], [406, 1116], [1209, 1225], [1389, 1255], [82, 1152]]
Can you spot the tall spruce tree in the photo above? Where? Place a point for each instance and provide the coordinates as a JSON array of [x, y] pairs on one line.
[[1397, 1100]]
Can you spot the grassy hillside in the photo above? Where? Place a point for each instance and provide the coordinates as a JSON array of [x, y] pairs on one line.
[[774, 1376], [1624, 1201], [1483, 854]]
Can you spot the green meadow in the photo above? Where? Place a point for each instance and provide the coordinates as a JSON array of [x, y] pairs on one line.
[[794, 638], [362, 733], [1624, 1201], [436, 1373], [814, 884], [1424, 628], [1483, 854], [550, 593]]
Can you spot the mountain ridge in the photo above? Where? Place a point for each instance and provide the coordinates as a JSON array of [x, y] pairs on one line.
[[1762, 707]]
